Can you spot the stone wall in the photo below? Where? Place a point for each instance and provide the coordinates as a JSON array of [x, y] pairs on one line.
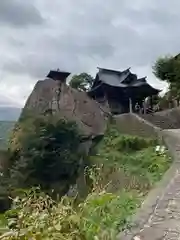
[[132, 124], [167, 119]]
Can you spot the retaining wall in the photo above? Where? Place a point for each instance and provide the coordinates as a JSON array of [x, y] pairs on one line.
[[133, 124], [167, 119]]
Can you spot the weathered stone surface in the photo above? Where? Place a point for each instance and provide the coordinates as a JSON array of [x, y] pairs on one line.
[[167, 119], [52, 96], [133, 124]]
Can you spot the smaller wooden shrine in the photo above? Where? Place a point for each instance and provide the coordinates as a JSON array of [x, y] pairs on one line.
[[58, 75]]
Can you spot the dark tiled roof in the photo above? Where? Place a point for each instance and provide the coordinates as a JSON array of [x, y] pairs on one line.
[[58, 75], [124, 79], [177, 56], [120, 79], [113, 77]]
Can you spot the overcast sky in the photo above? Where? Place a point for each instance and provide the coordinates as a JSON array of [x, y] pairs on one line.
[[80, 35]]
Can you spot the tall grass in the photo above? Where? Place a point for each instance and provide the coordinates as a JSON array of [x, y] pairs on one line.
[[134, 158]]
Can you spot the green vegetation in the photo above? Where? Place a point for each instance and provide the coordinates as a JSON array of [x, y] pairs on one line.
[[44, 153], [168, 69], [5, 130], [135, 158], [82, 82], [38, 217], [121, 172]]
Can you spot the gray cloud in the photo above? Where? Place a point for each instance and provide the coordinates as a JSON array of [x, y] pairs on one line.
[[5, 101], [19, 13], [81, 35]]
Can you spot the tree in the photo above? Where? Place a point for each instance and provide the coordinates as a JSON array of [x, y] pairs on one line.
[[45, 154], [81, 82], [168, 69]]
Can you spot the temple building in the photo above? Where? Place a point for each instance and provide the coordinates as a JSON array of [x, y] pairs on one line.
[[121, 90]]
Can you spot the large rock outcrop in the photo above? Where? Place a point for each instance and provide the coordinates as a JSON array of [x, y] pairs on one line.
[[56, 98], [61, 101]]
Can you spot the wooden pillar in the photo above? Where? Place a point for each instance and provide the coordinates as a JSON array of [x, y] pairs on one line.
[[144, 106], [130, 105], [149, 102]]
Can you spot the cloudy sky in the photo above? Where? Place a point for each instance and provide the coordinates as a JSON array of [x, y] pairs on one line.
[[79, 35]]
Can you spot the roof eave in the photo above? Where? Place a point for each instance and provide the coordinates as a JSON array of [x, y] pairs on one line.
[[55, 72]]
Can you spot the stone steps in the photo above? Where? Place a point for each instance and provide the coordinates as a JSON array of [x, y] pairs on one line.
[[162, 121]]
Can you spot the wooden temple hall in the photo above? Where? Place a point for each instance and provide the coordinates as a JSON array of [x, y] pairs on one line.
[[123, 91]]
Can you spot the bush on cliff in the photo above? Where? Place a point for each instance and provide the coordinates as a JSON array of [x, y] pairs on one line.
[[44, 152]]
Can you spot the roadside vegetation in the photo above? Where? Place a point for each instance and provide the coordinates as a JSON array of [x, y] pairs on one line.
[[44, 163]]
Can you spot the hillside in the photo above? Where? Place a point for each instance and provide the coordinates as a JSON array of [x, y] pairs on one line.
[[5, 129], [124, 168]]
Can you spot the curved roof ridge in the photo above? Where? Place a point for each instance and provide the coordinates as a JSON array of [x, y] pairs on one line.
[[115, 71]]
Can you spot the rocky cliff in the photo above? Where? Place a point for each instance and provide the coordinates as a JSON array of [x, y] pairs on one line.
[[50, 97], [59, 100], [56, 98]]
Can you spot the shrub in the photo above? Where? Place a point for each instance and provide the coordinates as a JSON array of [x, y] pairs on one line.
[[105, 214], [131, 157], [45, 153], [37, 216]]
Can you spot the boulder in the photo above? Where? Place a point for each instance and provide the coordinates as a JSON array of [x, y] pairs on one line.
[[56, 98]]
